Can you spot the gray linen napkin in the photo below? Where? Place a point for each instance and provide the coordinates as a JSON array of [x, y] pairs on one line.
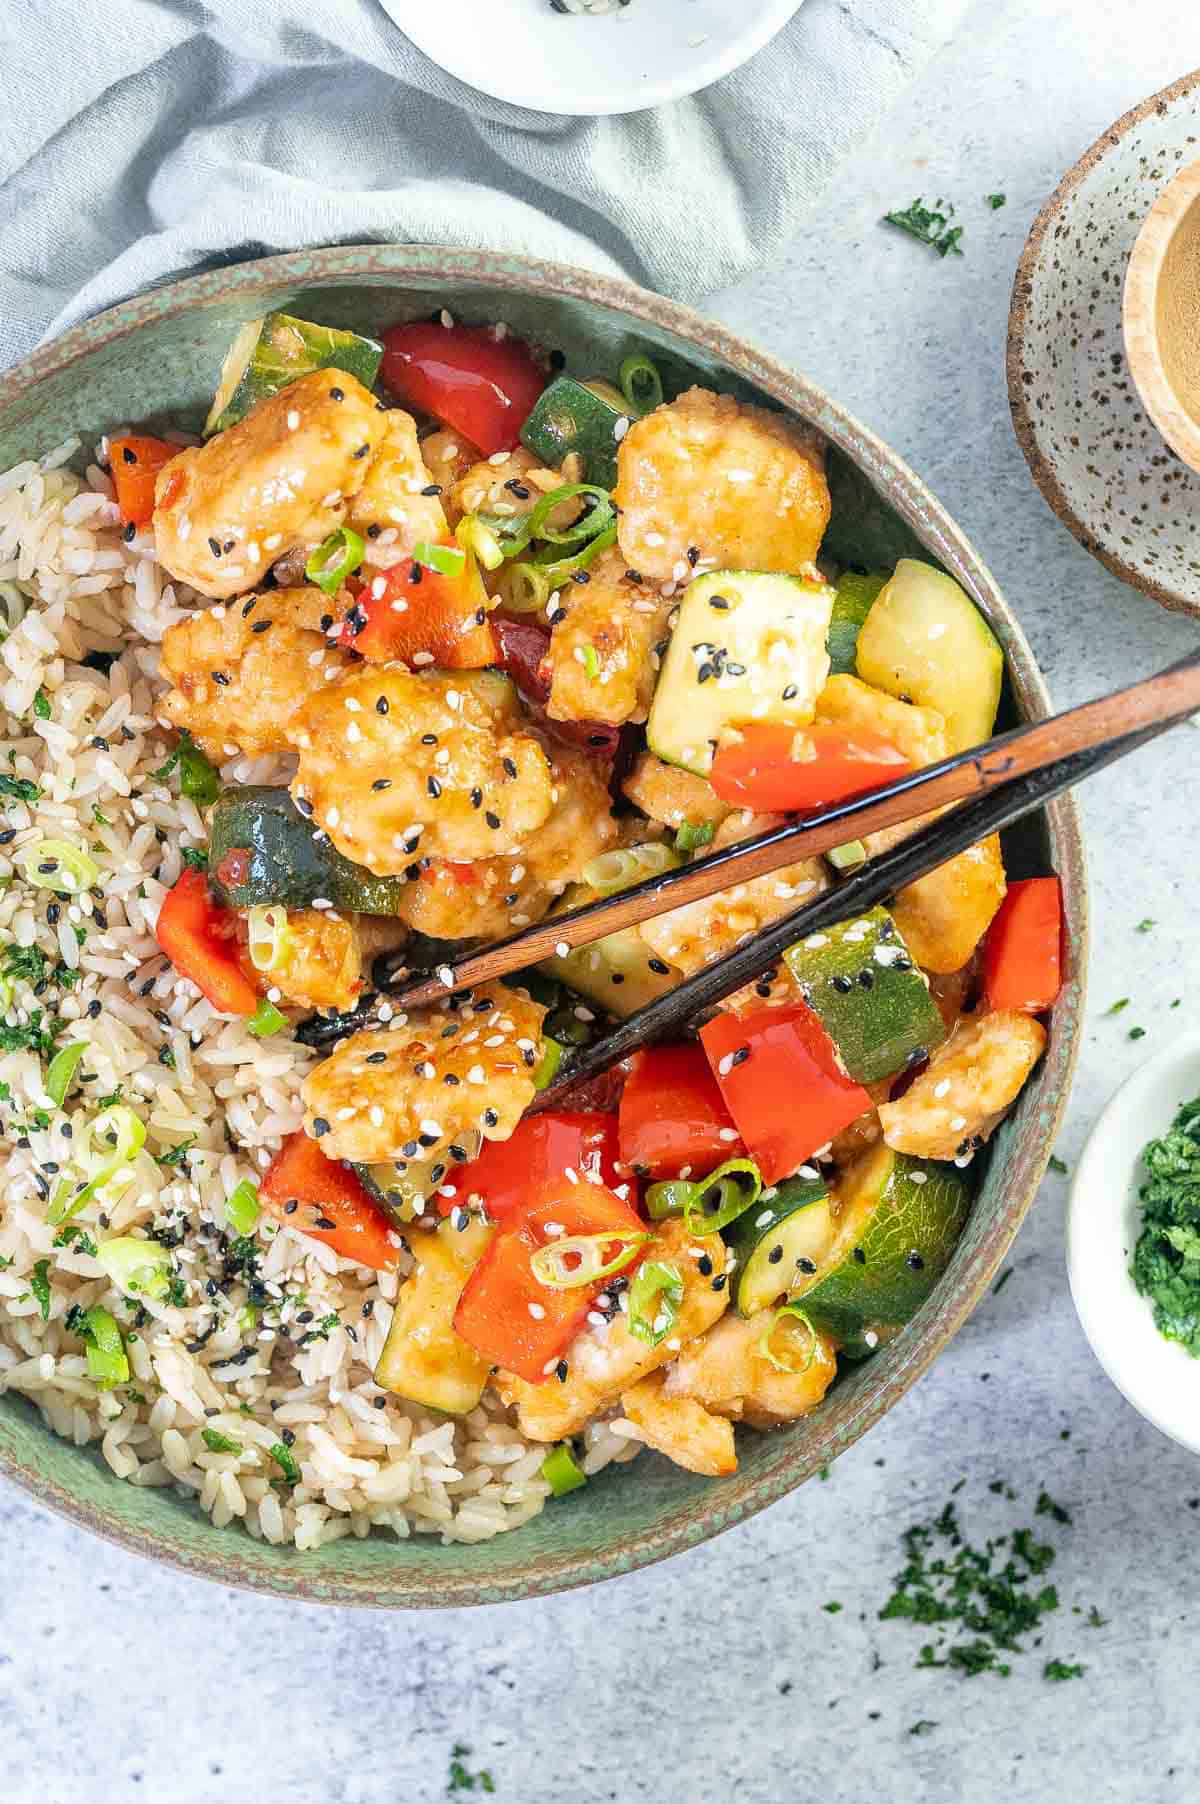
[[146, 138]]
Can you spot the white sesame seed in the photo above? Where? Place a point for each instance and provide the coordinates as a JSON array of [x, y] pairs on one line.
[[293, 420]]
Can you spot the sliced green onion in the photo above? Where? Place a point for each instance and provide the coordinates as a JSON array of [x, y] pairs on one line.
[[654, 1299], [610, 872], [266, 1020], [447, 560], [690, 838], [669, 1197], [338, 557], [547, 1066], [57, 864], [286, 1461], [767, 1339], [605, 390], [107, 1360], [722, 1196], [561, 570], [641, 384], [242, 1208], [62, 1069], [844, 858], [526, 589], [267, 935], [216, 1442], [510, 531], [591, 662], [110, 1140], [595, 518], [562, 1471], [550, 1266], [198, 779], [140, 1268], [477, 538]]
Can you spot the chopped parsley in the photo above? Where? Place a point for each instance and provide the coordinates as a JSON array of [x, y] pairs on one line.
[[1146, 926], [1002, 1280], [76, 1233], [995, 201], [216, 1442], [923, 1726], [929, 225], [831, 1609], [7, 1260], [1137, 1033], [24, 964], [41, 705], [195, 858], [38, 1034], [459, 1779], [174, 1156], [1166, 1259], [1058, 1165], [285, 1460], [39, 1284], [20, 789], [1046, 1506], [1115, 1008], [1062, 1669]]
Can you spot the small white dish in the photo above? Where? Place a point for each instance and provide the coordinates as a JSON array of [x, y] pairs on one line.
[[1156, 1375], [641, 55]]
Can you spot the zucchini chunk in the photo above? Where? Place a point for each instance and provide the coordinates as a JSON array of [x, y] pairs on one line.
[[261, 849], [269, 353], [747, 646], [577, 416], [401, 1188], [852, 602], [897, 1223], [772, 1240], [926, 641], [863, 983], [423, 1359]]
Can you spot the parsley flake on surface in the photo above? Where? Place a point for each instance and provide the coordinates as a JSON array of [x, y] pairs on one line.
[[1115, 1008], [41, 705], [1146, 926], [1166, 1259], [459, 1779], [995, 201], [1002, 1280], [20, 789], [831, 1609], [1060, 1669], [923, 1726], [929, 225], [1058, 1165]]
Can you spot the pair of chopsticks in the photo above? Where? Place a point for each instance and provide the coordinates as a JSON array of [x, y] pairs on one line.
[[987, 788]]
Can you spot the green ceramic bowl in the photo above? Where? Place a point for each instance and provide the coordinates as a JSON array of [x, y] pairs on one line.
[[156, 358]]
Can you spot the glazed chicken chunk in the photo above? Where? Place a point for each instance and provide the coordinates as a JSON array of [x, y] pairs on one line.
[[729, 1374], [602, 659], [494, 895], [967, 1088], [602, 1363], [226, 510], [392, 764], [671, 795], [394, 509], [240, 671], [712, 481], [325, 955], [422, 1088], [680, 1428]]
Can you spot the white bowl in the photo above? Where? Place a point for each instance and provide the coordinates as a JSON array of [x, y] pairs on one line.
[[645, 53], [1156, 1375]]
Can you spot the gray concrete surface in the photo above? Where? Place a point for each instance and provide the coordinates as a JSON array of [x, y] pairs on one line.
[[719, 1675]]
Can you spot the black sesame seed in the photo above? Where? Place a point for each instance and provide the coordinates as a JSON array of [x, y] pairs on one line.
[[633, 576], [432, 488], [805, 1264], [94, 1007], [377, 1058], [291, 1206], [867, 979], [915, 1262], [693, 555], [361, 452], [129, 533], [740, 1056], [510, 768], [129, 455], [261, 626], [460, 1155], [449, 1078], [382, 783], [323, 1221], [214, 545], [219, 676], [721, 1282], [320, 1126], [8, 835], [656, 964], [790, 693], [561, 1370], [493, 820], [433, 786], [374, 531], [381, 704], [841, 983], [429, 738], [859, 1257], [704, 1265], [305, 806], [477, 798], [228, 546], [490, 1118], [337, 394]]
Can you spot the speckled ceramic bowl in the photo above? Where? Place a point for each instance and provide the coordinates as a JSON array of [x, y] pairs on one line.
[[1094, 451], [158, 356]]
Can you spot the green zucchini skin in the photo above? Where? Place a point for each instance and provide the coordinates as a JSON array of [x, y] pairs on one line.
[[569, 417], [852, 602], [863, 984], [269, 353], [281, 860], [793, 1224]]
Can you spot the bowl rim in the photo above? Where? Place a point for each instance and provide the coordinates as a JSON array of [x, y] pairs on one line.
[[907, 494], [1024, 422], [1139, 313]]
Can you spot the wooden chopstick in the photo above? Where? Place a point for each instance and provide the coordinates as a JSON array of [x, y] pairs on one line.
[[999, 807], [1160, 700]]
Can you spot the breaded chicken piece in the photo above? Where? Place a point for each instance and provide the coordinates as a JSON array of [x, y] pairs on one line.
[[680, 1428], [741, 487], [448, 456], [603, 1363], [968, 1087], [240, 671], [226, 510], [392, 762], [327, 956], [699, 932], [385, 1096], [392, 511], [602, 656], [729, 1374], [487, 899], [512, 486], [942, 916], [671, 795]]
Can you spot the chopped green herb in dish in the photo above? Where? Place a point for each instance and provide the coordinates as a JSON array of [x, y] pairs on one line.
[[1166, 1259]]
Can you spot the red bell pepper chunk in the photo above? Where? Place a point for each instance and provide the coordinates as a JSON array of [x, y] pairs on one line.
[[326, 1191], [775, 768], [780, 1078], [411, 610], [523, 645], [198, 936], [481, 385], [540, 1147], [673, 1116], [1022, 955], [504, 1312], [135, 461]]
